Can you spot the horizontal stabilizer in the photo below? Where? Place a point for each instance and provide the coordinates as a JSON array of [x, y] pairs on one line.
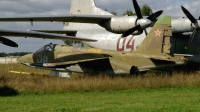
[[178, 59]]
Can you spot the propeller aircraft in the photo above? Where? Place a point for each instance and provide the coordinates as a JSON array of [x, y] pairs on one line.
[[120, 33], [99, 24]]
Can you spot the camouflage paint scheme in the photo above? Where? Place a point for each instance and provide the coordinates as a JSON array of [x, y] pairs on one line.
[[153, 53]]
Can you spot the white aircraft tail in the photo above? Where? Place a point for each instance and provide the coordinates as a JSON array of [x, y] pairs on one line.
[[85, 7]]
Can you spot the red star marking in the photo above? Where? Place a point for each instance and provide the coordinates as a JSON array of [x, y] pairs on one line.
[[158, 32]]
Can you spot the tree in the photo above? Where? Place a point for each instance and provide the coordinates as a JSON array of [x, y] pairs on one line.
[[113, 12], [3, 54], [105, 9], [128, 12], [74, 43], [146, 10]]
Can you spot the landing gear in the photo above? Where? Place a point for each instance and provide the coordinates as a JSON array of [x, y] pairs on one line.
[[134, 71], [86, 75], [170, 72]]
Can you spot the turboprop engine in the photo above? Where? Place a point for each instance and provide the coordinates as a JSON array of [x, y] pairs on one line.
[[122, 24], [188, 24], [128, 25]]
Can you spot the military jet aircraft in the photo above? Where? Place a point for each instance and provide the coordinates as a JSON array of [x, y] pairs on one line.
[[153, 53]]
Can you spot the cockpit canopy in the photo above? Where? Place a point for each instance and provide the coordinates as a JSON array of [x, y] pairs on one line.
[[48, 47]]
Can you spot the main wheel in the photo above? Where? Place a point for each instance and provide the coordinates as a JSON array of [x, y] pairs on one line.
[[134, 71]]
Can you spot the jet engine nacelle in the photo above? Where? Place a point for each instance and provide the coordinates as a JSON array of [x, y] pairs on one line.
[[122, 24]]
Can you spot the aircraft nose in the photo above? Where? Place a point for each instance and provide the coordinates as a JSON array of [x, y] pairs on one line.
[[26, 59]]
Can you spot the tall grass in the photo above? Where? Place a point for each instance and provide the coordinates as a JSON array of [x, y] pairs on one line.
[[43, 84]]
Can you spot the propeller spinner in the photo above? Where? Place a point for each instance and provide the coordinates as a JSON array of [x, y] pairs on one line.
[[142, 23]]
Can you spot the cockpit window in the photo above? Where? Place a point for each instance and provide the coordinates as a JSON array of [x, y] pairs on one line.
[[41, 49], [48, 47]]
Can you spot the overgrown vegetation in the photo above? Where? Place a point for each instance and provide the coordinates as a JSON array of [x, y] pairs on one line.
[[43, 84], [3, 54], [151, 92]]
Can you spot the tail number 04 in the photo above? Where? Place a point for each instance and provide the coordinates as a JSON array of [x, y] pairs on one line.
[[42, 59], [129, 44]]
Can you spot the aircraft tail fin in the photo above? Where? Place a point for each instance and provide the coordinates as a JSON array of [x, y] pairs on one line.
[[85, 7], [158, 39]]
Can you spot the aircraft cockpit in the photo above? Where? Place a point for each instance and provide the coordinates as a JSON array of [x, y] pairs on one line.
[[47, 48]]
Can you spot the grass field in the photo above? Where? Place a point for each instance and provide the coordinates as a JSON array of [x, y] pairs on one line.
[[17, 84], [144, 100], [152, 92]]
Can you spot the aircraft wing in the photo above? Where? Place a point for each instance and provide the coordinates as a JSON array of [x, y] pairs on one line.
[[57, 31], [165, 60], [67, 18], [18, 33], [70, 62], [71, 59]]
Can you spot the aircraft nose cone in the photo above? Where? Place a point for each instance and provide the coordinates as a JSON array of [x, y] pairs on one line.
[[26, 59], [144, 23]]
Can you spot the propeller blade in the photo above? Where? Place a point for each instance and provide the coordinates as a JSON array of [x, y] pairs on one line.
[[8, 42], [137, 9], [191, 39], [146, 32], [143, 23], [155, 15], [130, 31], [194, 21], [188, 14]]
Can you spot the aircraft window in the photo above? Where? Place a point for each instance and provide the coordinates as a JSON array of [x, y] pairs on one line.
[[48, 48], [41, 49], [51, 45]]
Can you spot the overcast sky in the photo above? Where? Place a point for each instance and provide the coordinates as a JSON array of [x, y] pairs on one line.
[[16, 8]]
